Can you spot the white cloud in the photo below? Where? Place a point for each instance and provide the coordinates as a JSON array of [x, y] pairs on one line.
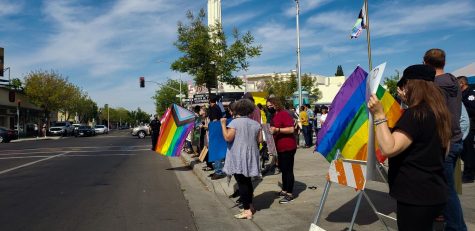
[[305, 6], [10, 7], [233, 3]]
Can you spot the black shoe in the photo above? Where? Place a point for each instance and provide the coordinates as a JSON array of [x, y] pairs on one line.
[[467, 180], [218, 176], [286, 199], [235, 194], [211, 175]]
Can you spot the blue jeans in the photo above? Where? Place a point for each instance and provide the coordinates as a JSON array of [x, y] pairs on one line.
[[218, 167], [453, 213]]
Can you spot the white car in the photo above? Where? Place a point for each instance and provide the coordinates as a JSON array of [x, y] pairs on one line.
[[101, 129]]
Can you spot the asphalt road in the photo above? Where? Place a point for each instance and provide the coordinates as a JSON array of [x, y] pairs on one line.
[[107, 182]]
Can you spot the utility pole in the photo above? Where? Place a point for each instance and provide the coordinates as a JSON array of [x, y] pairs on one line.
[[18, 118]]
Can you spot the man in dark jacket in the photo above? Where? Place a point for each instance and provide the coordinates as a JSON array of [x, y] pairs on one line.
[[468, 153], [155, 129], [435, 58]]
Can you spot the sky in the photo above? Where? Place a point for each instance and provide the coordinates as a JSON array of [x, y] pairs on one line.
[[104, 46]]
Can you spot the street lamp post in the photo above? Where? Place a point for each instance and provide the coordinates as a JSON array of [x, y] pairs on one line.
[[298, 53]]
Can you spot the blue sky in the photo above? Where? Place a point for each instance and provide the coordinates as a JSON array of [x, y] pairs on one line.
[[103, 46]]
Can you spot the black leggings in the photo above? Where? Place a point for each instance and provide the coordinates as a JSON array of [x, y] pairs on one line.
[[417, 217], [286, 165], [246, 190]]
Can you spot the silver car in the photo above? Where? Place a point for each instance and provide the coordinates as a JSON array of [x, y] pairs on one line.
[[101, 129], [141, 131]]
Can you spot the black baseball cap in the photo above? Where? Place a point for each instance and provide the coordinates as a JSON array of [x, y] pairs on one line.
[[419, 71]]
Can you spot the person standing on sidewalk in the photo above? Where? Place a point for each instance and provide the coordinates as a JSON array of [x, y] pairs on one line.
[[282, 127], [416, 148], [215, 114], [453, 213], [155, 129], [303, 119], [468, 153], [243, 136]]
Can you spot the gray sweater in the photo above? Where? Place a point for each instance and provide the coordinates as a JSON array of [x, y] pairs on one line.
[[453, 97]]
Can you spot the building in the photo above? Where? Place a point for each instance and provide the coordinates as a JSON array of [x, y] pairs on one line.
[[29, 114], [329, 86]]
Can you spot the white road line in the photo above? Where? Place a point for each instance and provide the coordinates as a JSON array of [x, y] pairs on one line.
[[68, 155], [75, 151], [31, 163], [61, 148]]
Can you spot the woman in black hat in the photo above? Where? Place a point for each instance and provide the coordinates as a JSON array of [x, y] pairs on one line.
[[416, 148]]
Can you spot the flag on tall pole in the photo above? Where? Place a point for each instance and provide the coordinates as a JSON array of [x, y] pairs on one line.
[[360, 23]]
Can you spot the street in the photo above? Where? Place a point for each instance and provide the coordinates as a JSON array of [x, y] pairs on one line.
[[106, 182]]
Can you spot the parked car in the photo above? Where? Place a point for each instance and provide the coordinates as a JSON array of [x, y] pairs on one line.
[[101, 129], [141, 131], [6, 135], [61, 128], [85, 131]]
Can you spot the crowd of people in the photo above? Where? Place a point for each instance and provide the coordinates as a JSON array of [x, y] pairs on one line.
[[422, 148]]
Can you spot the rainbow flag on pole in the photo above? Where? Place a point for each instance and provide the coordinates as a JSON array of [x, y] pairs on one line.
[[346, 126], [177, 123]]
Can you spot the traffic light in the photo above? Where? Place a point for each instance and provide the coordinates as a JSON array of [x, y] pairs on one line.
[[142, 82], [11, 96], [1, 61]]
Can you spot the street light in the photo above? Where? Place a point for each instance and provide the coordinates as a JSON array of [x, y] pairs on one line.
[[298, 53]]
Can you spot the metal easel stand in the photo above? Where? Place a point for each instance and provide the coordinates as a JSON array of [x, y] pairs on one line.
[[386, 221]]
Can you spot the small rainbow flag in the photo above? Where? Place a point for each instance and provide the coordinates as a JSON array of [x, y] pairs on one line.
[[177, 123], [346, 126]]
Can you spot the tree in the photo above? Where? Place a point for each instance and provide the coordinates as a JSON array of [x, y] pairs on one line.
[[339, 71], [16, 84], [47, 89], [391, 84], [165, 96], [285, 88], [206, 54]]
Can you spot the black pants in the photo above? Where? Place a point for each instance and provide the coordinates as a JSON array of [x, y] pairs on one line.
[[286, 165], [154, 140], [246, 190], [417, 217], [468, 156]]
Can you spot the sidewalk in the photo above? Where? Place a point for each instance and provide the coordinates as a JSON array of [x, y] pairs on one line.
[[36, 139], [310, 170]]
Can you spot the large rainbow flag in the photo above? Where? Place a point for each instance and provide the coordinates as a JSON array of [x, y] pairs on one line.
[[177, 123], [346, 126]]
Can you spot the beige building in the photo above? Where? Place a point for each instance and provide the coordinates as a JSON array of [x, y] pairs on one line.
[[329, 86], [29, 113]]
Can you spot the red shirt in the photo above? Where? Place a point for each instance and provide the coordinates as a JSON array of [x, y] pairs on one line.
[[284, 142]]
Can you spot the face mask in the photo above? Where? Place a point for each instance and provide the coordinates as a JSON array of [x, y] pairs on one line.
[[272, 110]]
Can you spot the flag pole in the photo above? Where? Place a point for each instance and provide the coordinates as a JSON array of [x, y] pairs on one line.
[[371, 155], [368, 37]]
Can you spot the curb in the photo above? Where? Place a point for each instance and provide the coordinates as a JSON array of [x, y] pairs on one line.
[[36, 139], [218, 187]]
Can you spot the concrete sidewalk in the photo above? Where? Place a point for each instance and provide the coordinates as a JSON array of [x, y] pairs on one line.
[[310, 170], [37, 139]]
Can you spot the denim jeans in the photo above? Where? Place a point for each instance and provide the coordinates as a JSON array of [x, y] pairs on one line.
[[306, 135], [218, 167], [453, 213]]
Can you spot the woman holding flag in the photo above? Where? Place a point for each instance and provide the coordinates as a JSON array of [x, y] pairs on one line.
[[416, 148]]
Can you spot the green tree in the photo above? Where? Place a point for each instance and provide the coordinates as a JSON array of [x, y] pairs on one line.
[[16, 84], [47, 90], [391, 83], [285, 88], [206, 55], [137, 117], [166, 95], [339, 71]]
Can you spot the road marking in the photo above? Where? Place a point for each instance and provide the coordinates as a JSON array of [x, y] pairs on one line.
[[60, 148], [74, 151], [31, 163]]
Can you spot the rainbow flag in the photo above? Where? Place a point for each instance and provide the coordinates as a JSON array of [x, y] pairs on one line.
[[177, 123], [346, 126]]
